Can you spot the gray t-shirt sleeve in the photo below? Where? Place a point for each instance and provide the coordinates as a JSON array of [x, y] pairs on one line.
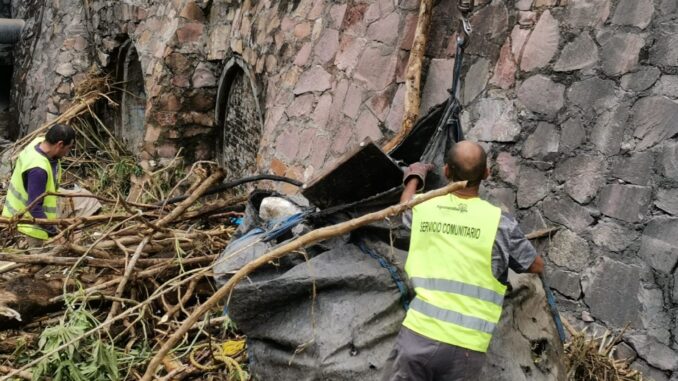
[[511, 249], [407, 218]]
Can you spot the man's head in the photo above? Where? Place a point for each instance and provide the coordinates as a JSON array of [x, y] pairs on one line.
[[61, 139], [466, 161]]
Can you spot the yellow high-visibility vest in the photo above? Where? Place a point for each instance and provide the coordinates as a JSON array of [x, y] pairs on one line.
[[458, 300], [16, 201]]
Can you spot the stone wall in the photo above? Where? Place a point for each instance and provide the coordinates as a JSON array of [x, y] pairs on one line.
[[324, 72], [51, 59], [575, 100], [579, 111]]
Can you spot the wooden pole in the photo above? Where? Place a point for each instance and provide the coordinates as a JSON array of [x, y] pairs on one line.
[[279, 252], [413, 75]]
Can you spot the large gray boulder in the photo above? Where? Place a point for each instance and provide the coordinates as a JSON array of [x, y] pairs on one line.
[[526, 344]]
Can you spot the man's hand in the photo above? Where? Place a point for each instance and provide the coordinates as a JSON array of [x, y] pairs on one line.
[[537, 267], [418, 171]]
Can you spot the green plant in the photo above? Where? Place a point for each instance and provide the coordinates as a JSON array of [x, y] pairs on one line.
[[93, 358], [90, 359], [115, 178]]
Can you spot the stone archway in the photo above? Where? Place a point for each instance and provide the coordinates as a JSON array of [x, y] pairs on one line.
[[239, 120], [130, 126]]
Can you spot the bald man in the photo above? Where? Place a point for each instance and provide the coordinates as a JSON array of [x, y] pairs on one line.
[[461, 248]]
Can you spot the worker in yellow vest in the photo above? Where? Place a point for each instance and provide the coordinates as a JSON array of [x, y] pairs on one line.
[[460, 251], [37, 171]]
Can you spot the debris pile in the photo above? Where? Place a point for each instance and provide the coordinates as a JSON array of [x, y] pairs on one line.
[[94, 301], [120, 293]]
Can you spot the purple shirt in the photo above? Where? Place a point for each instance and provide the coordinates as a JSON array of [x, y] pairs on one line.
[[35, 182]]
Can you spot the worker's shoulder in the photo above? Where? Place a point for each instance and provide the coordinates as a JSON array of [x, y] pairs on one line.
[[509, 223], [508, 217], [30, 152]]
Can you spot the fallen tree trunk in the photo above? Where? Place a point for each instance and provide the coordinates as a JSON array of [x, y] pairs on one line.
[[9, 344], [25, 298]]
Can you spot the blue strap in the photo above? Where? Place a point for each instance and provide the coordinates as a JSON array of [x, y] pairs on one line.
[[402, 287], [551, 301], [250, 233], [280, 227], [275, 228]]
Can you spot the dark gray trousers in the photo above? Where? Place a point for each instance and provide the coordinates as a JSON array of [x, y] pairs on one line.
[[418, 358]]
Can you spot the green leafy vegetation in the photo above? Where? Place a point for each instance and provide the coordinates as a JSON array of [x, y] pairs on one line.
[[92, 358]]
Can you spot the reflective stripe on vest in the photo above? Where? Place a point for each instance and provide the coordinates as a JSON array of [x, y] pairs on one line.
[[16, 201], [10, 209], [50, 209], [452, 316], [456, 287], [17, 194], [458, 300]]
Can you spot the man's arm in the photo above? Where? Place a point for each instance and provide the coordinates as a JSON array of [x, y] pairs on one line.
[[414, 178], [518, 250], [411, 185], [36, 184]]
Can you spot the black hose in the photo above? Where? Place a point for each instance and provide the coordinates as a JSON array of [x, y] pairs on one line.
[[231, 184], [340, 208]]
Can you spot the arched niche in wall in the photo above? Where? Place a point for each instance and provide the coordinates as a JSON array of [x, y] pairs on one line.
[[130, 125], [239, 120]]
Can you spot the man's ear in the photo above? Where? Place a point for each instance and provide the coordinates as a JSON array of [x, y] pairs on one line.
[[486, 174], [446, 171]]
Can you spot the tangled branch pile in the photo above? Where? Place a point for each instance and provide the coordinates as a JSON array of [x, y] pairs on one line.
[[97, 298], [591, 358]]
